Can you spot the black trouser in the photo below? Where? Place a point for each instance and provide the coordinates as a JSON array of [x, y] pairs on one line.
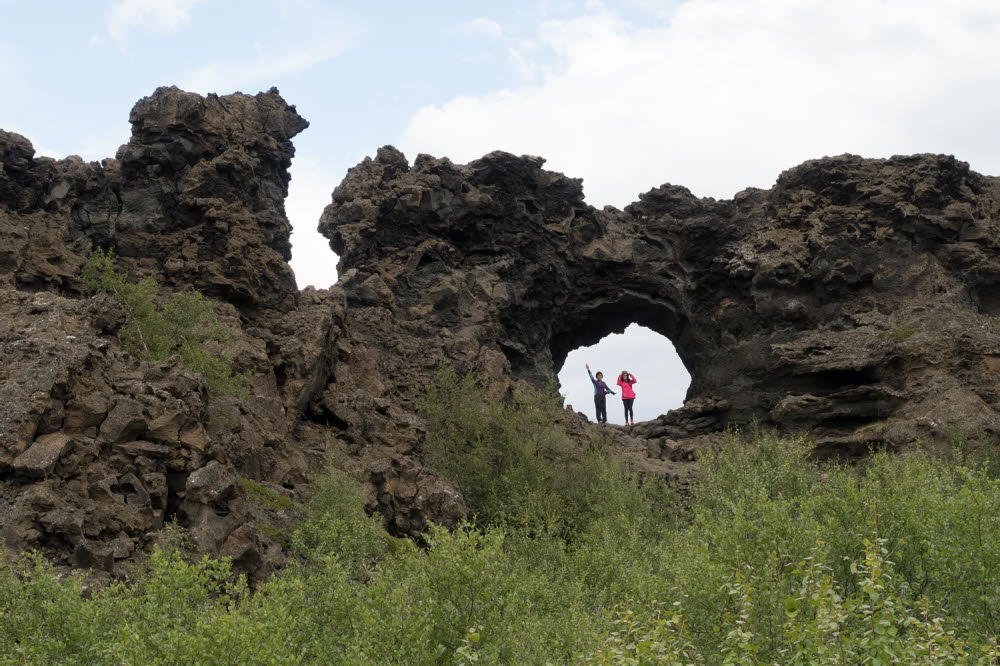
[[601, 404], [629, 414]]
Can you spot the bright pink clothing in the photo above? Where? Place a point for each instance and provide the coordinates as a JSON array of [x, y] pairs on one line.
[[627, 391]]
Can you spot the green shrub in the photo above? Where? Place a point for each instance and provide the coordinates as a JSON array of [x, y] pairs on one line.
[[336, 526], [44, 618], [771, 560], [517, 467], [185, 325], [878, 623]]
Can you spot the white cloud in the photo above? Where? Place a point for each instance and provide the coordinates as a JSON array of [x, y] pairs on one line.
[[728, 93], [95, 147], [310, 33], [484, 27], [41, 149], [266, 67], [308, 194], [162, 16], [12, 68], [95, 41]]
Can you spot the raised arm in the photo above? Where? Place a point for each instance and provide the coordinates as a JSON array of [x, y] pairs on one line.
[[591, 375]]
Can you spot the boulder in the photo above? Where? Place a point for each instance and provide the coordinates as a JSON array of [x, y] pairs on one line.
[[43, 454]]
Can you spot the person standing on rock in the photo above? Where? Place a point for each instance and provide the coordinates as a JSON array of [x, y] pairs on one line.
[[625, 381], [600, 391]]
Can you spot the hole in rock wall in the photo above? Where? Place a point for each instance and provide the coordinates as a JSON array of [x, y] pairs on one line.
[[313, 261], [662, 378]]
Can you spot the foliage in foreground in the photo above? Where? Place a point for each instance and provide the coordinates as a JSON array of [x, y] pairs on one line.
[[517, 469], [185, 325], [770, 560]]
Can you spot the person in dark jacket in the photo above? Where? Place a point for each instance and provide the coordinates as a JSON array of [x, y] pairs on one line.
[[600, 391]]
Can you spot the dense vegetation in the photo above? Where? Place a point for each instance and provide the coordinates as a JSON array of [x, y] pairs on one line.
[[770, 559], [184, 325]]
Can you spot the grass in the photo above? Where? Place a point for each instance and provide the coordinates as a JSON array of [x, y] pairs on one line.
[[901, 334]]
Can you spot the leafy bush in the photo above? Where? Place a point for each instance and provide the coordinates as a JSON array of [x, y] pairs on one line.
[[336, 526], [517, 467], [771, 559], [876, 624], [185, 325]]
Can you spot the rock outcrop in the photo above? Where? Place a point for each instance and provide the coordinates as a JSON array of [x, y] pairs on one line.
[[98, 450], [196, 198], [856, 301]]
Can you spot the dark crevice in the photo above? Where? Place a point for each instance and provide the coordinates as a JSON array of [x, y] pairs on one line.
[[176, 483], [828, 381], [324, 417], [987, 299]]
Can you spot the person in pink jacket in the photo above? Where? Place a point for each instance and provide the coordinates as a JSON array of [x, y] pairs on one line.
[[626, 380]]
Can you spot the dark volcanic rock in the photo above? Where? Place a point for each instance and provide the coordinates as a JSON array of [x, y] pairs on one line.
[[856, 301], [97, 449], [196, 198], [204, 181]]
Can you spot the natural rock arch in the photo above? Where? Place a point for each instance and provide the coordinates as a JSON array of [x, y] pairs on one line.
[[786, 305]]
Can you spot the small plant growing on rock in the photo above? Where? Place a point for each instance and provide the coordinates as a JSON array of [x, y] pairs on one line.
[[263, 495], [902, 333], [185, 324]]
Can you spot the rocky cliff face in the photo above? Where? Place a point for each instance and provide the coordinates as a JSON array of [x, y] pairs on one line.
[[856, 301], [98, 449], [196, 198]]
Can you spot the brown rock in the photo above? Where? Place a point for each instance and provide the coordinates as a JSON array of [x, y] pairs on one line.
[[141, 448], [212, 484], [166, 427], [42, 455], [125, 421], [195, 437]]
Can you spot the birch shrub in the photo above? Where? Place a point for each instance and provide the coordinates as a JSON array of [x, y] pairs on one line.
[[184, 324]]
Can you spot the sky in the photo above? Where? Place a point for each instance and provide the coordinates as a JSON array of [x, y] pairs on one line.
[[716, 95]]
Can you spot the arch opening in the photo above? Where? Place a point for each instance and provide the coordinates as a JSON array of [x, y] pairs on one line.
[[663, 379]]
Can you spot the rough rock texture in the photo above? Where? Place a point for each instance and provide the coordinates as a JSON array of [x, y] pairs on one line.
[[855, 301], [196, 198], [98, 449]]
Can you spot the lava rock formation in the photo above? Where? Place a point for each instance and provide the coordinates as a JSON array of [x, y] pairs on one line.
[[856, 301]]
